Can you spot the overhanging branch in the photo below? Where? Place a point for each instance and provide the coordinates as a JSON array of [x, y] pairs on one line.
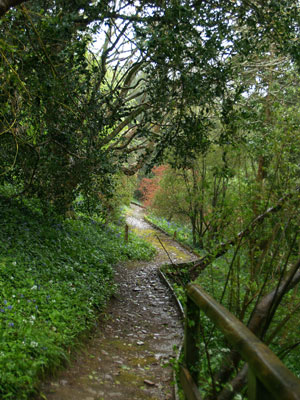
[[201, 264]]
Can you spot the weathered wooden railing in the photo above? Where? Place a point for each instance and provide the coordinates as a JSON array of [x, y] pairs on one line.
[[268, 378]]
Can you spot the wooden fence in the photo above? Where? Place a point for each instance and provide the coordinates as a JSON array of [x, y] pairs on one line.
[[268, 378]]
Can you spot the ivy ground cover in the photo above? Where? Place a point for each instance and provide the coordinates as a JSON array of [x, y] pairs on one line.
[[55, 277]]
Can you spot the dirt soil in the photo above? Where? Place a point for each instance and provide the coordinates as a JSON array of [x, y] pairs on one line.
[[129, 354]]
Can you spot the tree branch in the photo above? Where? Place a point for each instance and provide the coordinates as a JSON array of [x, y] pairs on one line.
[[256, 325], [122, 125], [201, 264]]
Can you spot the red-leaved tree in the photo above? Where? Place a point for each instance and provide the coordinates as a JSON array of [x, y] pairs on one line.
[[149, 186]]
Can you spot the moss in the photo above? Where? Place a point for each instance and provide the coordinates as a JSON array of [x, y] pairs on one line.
[[130, 379], [118, 344], [121, 346], [150, 235], [142, 361]]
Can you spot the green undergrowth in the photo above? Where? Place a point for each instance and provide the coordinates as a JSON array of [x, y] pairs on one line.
[[212, 280], [55, 277], [182, 232]]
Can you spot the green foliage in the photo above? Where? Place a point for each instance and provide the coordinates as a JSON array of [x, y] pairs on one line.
[[60, 120], [70, 118], [183, 232], [230, 187], [55, 277], [106, 197], [211, 88], [196, 195]]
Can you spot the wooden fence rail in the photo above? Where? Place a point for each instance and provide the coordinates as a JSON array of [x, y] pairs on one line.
[[268, 378]]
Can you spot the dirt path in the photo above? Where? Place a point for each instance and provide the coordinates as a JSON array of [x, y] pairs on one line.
[[128, 356]]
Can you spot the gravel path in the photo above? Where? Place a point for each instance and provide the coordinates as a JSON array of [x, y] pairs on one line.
[[129, 355]]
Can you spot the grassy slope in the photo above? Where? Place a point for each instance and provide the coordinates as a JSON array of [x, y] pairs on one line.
[[183, 233], [54, 278]]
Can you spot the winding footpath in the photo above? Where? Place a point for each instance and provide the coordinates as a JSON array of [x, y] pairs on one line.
[[128, 356]]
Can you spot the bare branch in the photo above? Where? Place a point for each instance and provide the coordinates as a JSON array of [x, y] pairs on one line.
[[122, 125], [201, 264]]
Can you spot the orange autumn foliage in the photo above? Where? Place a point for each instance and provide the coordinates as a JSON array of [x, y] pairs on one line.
[[149, 186]]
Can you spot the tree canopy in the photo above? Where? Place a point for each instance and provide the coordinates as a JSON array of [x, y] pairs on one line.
[[165, 74]]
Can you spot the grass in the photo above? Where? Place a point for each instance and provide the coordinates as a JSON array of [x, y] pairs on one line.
[[55, 277], [183, 232]]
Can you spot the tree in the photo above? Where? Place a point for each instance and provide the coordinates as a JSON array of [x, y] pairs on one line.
[[121, 110], [196, 194], [254, 269], [64, 118], [148, 186]]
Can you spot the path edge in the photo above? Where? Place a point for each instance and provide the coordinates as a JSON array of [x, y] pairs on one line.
[[181, 310], [184, 245]]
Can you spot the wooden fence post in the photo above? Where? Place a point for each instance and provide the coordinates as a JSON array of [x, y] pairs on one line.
[[256, 390], [191, 339]]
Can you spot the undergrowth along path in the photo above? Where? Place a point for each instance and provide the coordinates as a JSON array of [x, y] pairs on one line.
[[129, 355]]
